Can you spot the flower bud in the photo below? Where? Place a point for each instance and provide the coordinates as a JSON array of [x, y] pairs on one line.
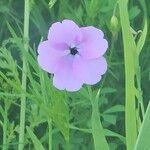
[[114, 25]]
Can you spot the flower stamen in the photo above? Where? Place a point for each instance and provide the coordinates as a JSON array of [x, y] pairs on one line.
[[73, 51]]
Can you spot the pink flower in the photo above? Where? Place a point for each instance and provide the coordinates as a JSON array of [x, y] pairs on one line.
[[74, 55]]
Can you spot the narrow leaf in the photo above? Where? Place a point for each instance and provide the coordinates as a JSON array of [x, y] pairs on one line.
[[35, 140], [97, 129], [142, 142]]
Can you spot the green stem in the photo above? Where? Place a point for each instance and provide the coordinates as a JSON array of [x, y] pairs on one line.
[[140, 45], [68, 147], [129, 57], [113, 40], [24, 77], [5, 129], [50, 134], [140, 97]]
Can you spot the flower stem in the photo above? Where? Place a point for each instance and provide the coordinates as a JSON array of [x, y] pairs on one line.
[[24, 77]]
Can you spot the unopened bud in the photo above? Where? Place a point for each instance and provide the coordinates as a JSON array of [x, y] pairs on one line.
[[114, 24]]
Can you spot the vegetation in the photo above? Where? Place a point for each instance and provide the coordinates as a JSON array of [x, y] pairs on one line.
[[113, 114]]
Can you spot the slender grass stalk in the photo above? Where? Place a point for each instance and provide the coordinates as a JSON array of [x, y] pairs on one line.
[[113, 40], [50, 133], [140, 45], [24, 78], [5, 129], [129, 53]]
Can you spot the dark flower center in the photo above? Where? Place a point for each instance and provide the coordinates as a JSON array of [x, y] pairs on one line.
[[73, 51]]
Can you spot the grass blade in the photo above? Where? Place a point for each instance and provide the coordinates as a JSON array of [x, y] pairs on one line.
[[144, 134], [36, 142], [100, 142], [129, 53]]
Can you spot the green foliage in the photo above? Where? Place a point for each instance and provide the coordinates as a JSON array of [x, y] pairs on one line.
[[60, 114], [60, 120]]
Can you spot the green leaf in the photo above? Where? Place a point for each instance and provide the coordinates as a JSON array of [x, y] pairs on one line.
[[114, 109], [110, 118], [129, 59], [110, 133], [134, 11], [35, 140], [60, 113], [97, 128], [108, 90], [142, 142]]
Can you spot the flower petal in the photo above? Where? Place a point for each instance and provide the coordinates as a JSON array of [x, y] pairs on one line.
[[93, 45], [89, 71], [66, 32], [48, 57], [64, 78]]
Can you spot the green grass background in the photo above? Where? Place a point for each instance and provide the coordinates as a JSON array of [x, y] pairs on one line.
[[91, 118]]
